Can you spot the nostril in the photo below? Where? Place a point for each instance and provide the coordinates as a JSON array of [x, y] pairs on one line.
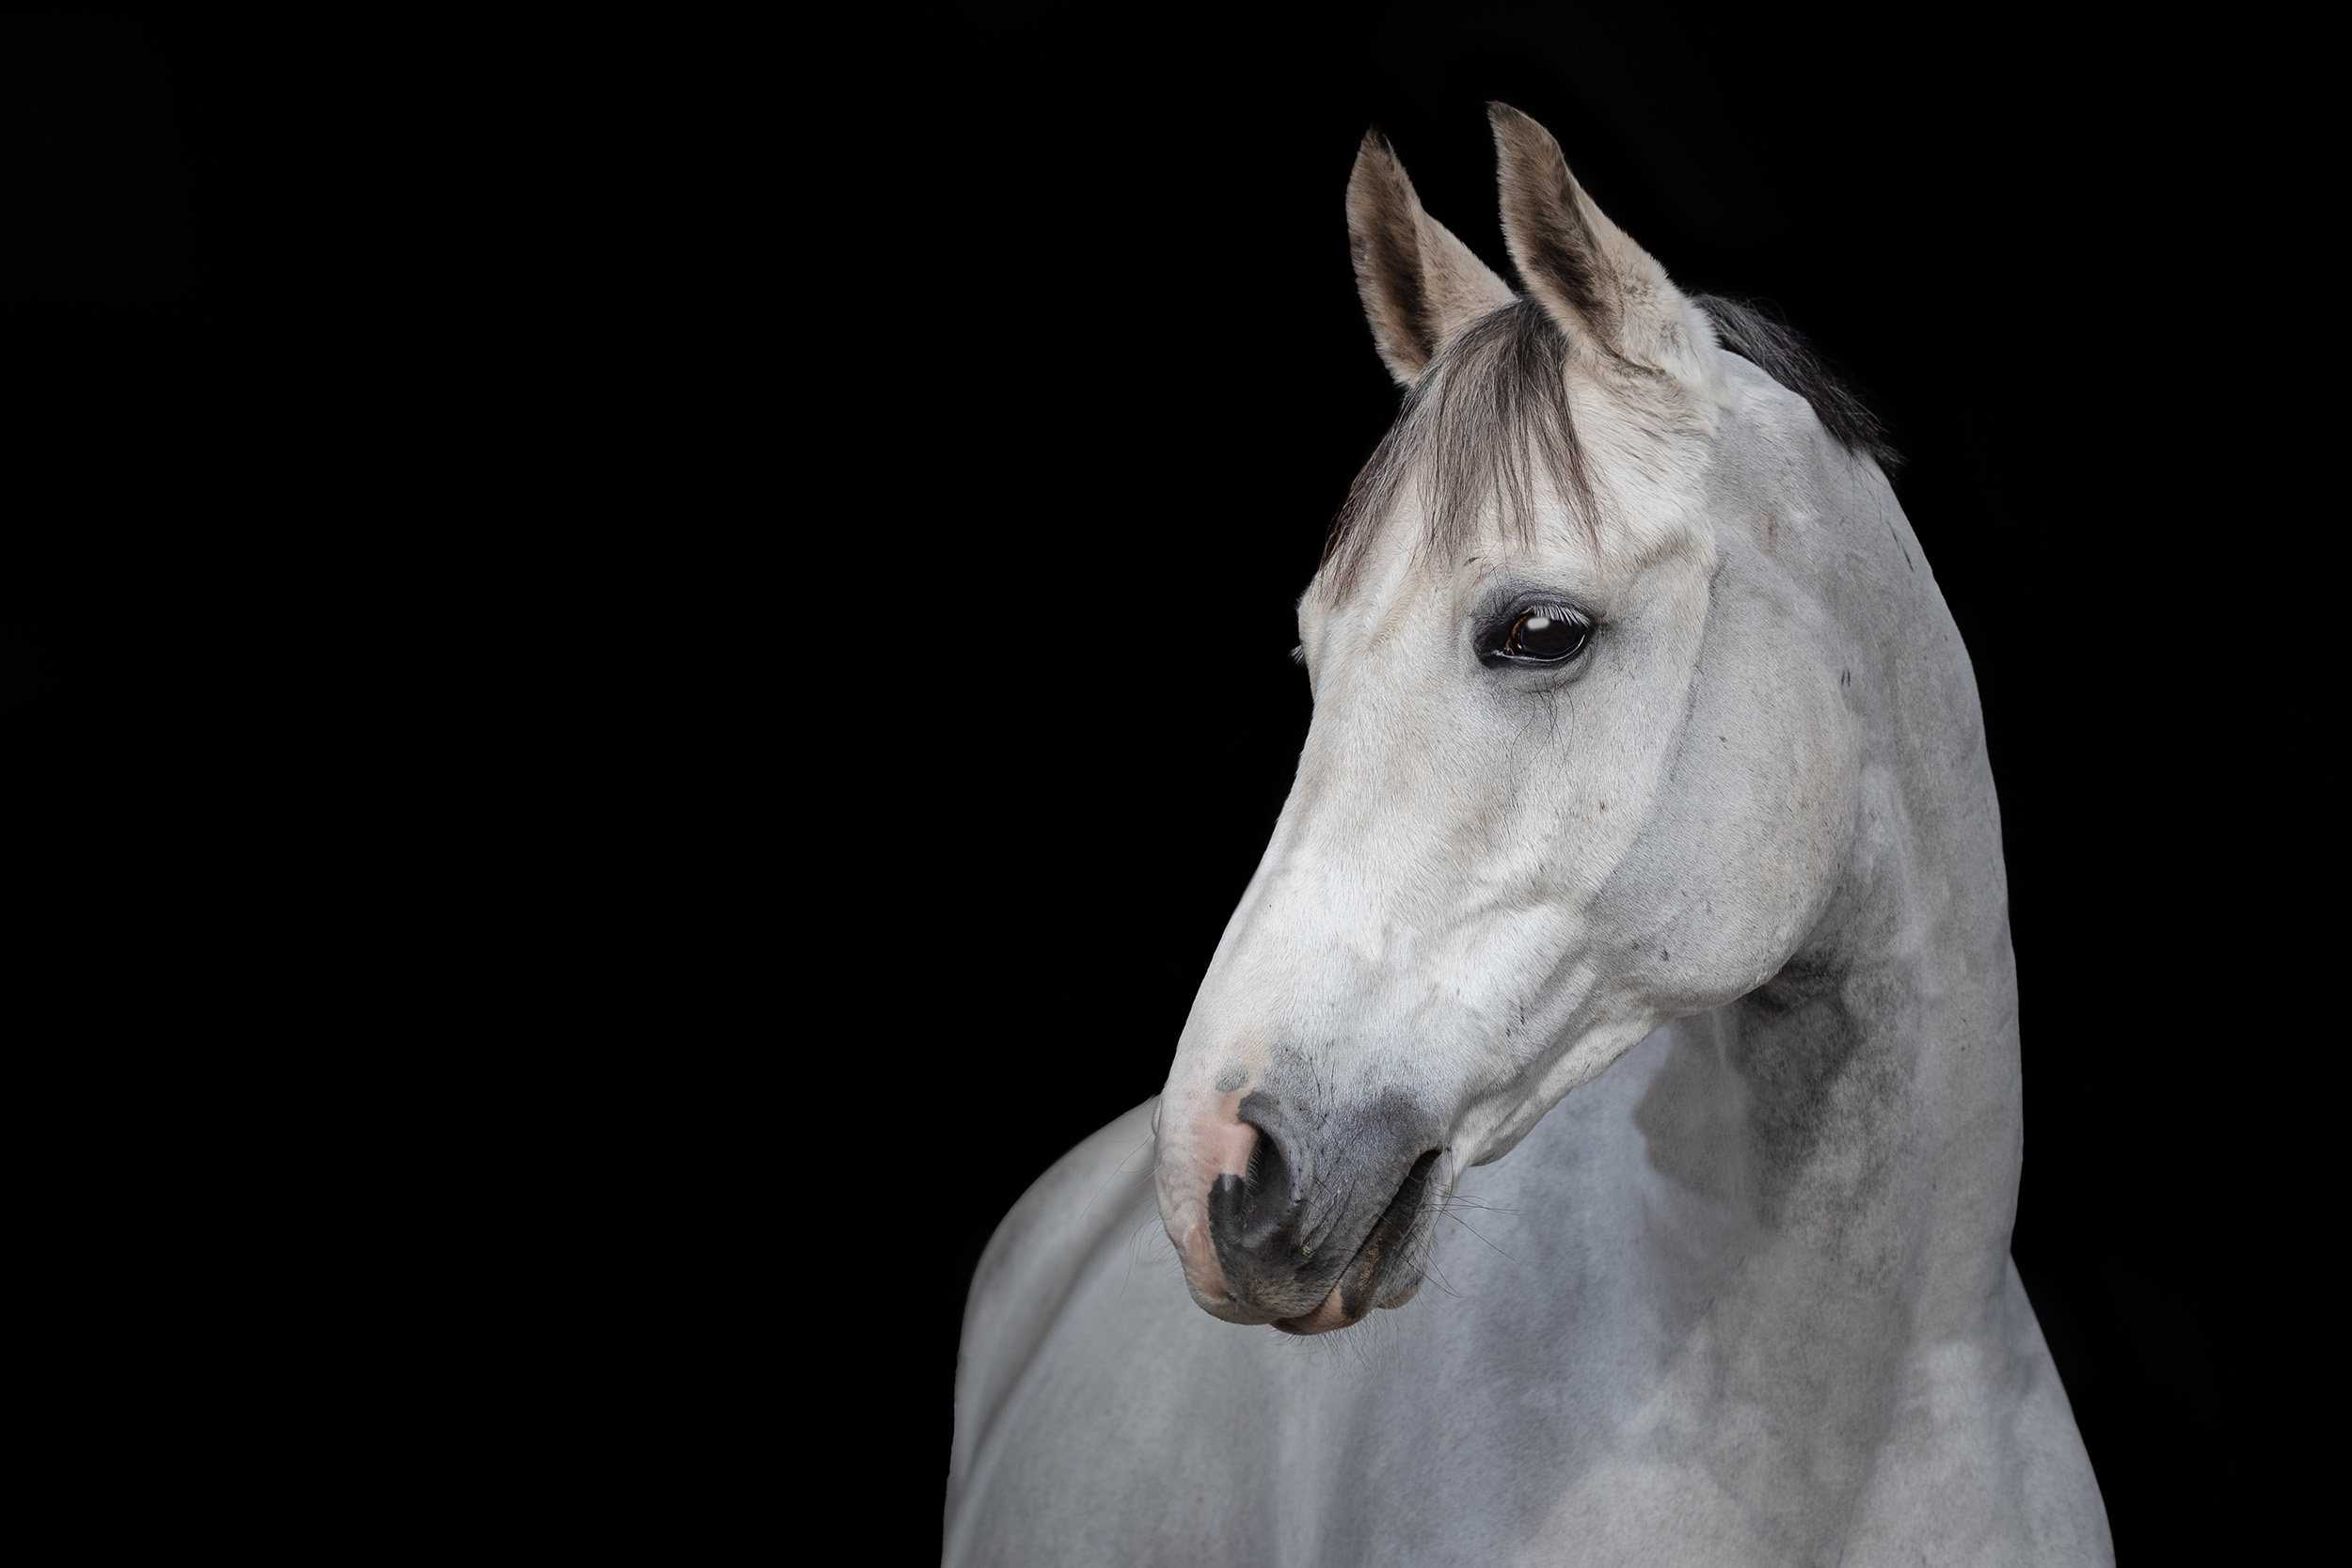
[[1228, 1200], [1270, 1201], [1255, 1213]]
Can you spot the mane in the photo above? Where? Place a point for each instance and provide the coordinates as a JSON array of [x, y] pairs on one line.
[[1491, 416], [1781, 352]]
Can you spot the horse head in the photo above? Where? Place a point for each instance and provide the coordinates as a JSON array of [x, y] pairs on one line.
[[1581, 762]]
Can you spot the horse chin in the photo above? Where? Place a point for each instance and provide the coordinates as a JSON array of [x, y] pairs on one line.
[[1231, 1309], [1323, 1320], [1333, 1313]]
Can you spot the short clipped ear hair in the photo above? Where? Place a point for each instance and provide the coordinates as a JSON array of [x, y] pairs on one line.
[[1591, 277], [1420, 284]]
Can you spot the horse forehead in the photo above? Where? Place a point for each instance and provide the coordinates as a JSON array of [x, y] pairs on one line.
[[1655, 457]]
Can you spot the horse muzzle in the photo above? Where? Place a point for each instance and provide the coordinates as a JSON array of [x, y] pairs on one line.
[[1305, 1216]]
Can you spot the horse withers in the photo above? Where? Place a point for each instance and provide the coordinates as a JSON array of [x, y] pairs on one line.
[[1643, 835]]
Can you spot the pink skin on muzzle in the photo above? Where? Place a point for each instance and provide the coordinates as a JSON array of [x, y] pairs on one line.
[[1216, 1144]]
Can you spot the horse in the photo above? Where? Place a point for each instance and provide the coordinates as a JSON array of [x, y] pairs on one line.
[[1630, 959]]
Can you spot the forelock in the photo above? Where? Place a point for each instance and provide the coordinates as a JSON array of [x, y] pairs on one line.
[[1481, 431]]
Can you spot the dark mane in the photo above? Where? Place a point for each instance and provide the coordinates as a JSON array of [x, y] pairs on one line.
[[1492, 411], [1776, 348]]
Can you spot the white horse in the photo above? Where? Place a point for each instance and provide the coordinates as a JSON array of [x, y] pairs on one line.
[[1643, 835]]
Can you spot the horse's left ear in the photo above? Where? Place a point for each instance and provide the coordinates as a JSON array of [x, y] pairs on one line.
[[1591, 277]]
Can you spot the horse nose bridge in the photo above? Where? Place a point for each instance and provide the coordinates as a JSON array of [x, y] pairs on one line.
[[1322, 929]]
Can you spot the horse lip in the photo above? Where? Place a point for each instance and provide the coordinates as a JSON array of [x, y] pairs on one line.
[[1352, 1294]]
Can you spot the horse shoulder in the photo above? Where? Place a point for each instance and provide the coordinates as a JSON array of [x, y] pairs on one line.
[[1033, 1264]]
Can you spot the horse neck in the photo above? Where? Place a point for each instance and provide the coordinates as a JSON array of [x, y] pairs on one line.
[[1872, 1086], [1840, 1148]]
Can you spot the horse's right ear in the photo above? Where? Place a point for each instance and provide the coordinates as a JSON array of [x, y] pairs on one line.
[[1420, 284]]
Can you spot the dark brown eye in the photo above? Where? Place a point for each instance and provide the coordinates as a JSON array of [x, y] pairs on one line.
[[1541, 635]]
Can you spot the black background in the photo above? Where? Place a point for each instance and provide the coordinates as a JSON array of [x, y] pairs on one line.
[[662, 652]]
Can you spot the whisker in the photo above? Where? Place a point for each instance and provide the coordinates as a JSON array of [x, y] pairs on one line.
[[1473, 1230]]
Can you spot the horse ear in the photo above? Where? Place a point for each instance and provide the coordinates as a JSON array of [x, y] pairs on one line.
[[1420, 284], [1588, 273]]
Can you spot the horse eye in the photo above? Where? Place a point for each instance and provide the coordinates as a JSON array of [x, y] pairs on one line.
[[1541, 636]]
